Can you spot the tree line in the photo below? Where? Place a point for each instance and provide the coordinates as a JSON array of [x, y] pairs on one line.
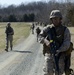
[[37, 12]]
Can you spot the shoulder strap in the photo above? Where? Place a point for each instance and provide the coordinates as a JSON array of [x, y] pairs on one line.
[[65, 28], [53, 32]]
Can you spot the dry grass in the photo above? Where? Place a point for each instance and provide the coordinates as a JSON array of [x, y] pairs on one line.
[[71, 30], [21, 31]]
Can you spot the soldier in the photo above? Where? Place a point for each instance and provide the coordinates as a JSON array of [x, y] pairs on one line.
[[38, 30], [9, 36], [56, 40], [32, 27]]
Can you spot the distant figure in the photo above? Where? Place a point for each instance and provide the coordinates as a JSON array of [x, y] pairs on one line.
[[38, 30], [32, 27], [9, 36]]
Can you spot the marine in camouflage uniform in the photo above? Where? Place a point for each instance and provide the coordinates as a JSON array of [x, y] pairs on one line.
[[38, 30], [33, 27], [9, 36], [62, 37]]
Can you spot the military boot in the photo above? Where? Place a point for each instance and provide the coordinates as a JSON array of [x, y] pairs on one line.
[[69, 72], [6, 49], [11, 48]]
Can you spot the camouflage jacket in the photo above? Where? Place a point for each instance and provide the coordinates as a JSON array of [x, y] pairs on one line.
[[63, 37], [9, 31]]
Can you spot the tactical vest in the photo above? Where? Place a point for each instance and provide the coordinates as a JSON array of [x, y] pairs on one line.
[[9, 30], [59, 34], [60, 38]]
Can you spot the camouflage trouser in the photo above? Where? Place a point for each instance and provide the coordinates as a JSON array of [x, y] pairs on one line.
[[9, 40], [37, 37], [49, 64], [32, 31], [67, 64]]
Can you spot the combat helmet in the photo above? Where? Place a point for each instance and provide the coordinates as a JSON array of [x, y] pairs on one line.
[[55, 13], [8, 23]]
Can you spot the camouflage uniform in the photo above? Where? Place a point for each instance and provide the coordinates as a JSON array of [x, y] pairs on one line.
[[9, 36], [38, 30], [32, 27], [64, 41]]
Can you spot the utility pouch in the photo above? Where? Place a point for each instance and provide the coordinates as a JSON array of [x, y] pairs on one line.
[[70, 49]]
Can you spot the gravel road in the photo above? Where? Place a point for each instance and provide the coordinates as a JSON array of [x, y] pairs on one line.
[[25, 59]]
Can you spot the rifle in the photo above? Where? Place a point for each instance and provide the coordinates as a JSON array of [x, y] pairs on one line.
[[53, 47]]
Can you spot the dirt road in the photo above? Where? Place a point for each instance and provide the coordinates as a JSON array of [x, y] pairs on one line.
[[25, 59]]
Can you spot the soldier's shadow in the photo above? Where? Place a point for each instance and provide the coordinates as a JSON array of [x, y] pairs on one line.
[[22, 51]]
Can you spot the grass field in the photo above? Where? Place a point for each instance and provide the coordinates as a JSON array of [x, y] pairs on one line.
[[21, 31], [72, 34]]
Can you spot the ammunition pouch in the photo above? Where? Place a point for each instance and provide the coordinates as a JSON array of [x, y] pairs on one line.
[[69, 50]]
